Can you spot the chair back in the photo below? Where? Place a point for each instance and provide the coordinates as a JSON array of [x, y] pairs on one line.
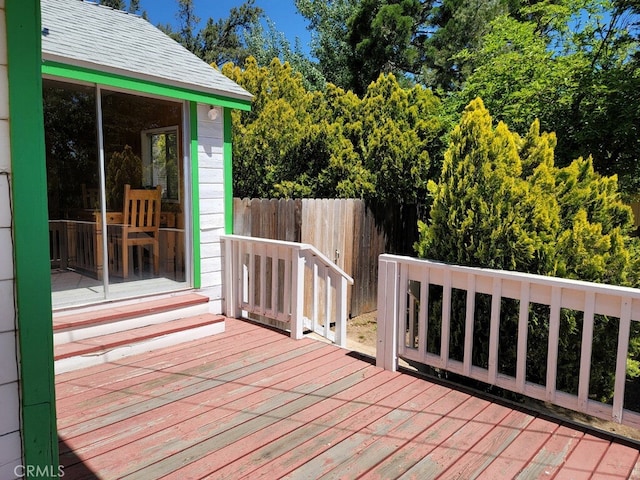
[[141, 210]]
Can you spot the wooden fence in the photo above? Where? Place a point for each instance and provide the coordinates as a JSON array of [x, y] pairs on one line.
[[344, 230]]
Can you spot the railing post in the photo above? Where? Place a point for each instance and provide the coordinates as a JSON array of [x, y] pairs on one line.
[[229, 284], [297, 294], [387, 347]]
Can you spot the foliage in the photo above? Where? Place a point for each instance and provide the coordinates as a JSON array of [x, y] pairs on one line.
[[328, 24], [502, 203], [123, 167], [296, 142], [265, 45], [569, 65], [221, 40]]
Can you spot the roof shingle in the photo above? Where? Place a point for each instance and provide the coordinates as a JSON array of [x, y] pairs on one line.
[[85, 34]]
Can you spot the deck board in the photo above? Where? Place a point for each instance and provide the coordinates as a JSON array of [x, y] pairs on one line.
[[252, 403]]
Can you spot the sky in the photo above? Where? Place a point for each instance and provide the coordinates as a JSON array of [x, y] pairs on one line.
[[282, 12]]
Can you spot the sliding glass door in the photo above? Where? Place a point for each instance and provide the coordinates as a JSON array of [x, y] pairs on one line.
[[116, 182]]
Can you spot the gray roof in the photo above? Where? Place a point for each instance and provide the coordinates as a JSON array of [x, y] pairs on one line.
[[88, 35]]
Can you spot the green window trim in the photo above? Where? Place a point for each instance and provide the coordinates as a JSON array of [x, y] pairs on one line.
[[31, 235], [146, 86]]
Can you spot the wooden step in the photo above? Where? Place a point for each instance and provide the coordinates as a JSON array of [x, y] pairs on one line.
[[111, 347], [118, 317]]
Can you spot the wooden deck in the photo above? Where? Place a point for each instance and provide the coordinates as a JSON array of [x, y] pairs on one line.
[[253, 403]]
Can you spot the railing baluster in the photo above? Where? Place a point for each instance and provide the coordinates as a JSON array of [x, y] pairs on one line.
[[494, 329], [245, 273], [585, 351], [446, 318], [341, 312], [252, 277], [468, 324], [523, 332], [290, 256], [554, 337], [402, 308], [621, 359], [327, 304], [263, 279], [275, 280], [315, 292], [423, 317]]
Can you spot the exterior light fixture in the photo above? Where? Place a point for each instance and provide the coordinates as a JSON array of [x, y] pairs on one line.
[[213, 112]]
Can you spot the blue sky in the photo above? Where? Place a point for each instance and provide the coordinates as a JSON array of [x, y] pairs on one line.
[[282, 12]]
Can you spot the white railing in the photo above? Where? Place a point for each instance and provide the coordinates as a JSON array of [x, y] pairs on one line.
[[288, 282], [403, 303]]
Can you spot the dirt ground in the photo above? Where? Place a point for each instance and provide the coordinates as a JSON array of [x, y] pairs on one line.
[[362, 337], [361, 333]]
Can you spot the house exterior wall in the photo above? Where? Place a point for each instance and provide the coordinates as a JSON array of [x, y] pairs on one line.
[[212, 208], [10, 439]]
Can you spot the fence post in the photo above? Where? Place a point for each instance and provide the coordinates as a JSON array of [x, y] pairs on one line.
[[297, 294], [387, 346]]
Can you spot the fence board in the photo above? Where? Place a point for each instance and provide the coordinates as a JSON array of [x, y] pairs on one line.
[[345, 230]]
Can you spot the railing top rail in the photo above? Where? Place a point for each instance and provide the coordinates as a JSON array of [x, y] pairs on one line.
[[295, 246], [601, 288]]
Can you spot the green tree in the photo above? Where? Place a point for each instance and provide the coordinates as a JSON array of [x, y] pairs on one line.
[[502, 203], [265, 45], [284, 144], [224, 40], [331, 143], [117, 4], [571, 65], [328, 24]]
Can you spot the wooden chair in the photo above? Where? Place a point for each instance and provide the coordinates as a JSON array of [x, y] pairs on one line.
[[141, 224]]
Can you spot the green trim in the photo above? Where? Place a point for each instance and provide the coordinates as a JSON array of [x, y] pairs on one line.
[[31, 234], [195, 194], [139, 85], [228, 173]]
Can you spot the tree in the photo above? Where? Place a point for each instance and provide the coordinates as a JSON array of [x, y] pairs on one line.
[[502, 203], [571, 66], [328, 24], [224, 40], [117, 4], [397, 133], [282, 146], [331, 143], [265, 45]]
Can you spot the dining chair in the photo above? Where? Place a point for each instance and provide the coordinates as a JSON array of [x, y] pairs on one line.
[[141, 225]]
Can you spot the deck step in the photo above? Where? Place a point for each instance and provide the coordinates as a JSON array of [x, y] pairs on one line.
[[106, 348], [119, 317]]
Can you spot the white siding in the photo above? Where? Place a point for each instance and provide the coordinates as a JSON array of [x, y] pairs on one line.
[[211, 186], [10, 443]]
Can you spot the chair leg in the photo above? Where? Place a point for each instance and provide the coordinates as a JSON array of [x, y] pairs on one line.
[[155, 251], [125, 260]]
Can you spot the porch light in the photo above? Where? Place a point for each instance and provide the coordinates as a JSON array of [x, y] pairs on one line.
[[213, 113]]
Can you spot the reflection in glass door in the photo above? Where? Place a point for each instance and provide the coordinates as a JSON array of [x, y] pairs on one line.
[[138, 141]]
